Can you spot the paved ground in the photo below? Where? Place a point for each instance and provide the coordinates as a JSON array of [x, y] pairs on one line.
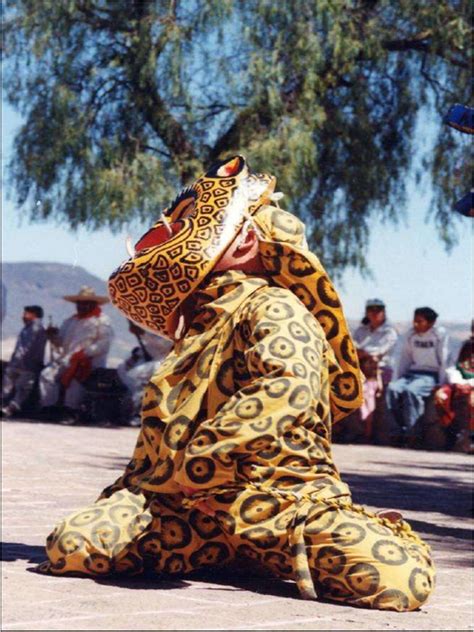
[[50, 470]]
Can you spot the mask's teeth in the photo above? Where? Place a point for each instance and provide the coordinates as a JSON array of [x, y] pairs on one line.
[[129, 246], [167, 224], [180, 328]]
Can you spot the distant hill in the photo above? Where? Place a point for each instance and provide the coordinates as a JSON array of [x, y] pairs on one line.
[[45, 284]]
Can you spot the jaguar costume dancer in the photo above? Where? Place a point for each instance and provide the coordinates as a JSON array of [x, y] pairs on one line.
[[234, 454]]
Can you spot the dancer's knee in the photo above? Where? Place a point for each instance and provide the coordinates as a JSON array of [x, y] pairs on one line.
[[369, 584], [364, 561]]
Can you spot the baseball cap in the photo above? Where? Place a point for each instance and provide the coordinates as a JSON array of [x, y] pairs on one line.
[[374, 302]]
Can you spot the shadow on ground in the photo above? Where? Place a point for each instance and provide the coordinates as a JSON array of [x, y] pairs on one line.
[[12, 551], [443, 492], [443, 467], [241, 576], [440, 493]]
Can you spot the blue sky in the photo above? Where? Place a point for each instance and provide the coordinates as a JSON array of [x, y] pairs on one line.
[[409, 264]]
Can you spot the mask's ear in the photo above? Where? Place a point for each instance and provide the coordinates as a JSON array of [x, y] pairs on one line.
[[230, 168]]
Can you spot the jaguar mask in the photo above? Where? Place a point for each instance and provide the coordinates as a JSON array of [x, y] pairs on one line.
[[182, 247]]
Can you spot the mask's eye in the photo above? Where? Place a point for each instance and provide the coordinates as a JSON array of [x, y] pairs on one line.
[[158, 235], [183, 206], [184, 209]]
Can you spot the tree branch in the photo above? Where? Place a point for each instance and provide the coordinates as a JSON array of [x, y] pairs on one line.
[[96, 22], [148, 101], [422, 43]]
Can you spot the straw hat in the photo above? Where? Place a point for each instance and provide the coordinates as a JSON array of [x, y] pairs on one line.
[[86, 293]]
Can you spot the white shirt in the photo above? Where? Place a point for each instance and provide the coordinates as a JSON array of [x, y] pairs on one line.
[[92, 335], [378, 342], [424, 352]]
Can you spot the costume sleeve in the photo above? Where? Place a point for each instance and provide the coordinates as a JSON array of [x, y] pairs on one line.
[[102, 340], [284, 363]]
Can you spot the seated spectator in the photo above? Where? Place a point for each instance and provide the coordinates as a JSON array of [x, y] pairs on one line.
[[82, 344], [421, 365], [26, 362], [136, 371], [375, 339], [454, 400]]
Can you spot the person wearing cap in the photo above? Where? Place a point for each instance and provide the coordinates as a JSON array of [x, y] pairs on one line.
[[421, 366], [375, 339], [25, 363], [81, 344], [233, 458]]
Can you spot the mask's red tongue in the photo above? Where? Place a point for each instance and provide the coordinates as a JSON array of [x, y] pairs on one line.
[[157, 236]]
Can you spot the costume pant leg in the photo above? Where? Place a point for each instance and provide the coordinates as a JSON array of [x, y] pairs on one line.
[[130, 532], [352, 556], [359, 559], [412, 398]]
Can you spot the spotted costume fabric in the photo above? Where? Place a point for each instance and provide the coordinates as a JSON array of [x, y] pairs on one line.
[[241, 412]]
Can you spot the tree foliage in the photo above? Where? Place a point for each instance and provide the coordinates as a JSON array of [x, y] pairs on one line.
[[124, 101]]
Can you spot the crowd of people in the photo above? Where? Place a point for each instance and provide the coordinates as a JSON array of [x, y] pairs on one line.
[[79, 346], [411, 382], [415, 393]]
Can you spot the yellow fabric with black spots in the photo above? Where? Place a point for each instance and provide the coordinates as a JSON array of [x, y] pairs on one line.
[[290, 264], [240, 411]]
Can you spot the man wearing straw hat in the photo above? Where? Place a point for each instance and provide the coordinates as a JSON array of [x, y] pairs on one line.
[[81, 344]]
